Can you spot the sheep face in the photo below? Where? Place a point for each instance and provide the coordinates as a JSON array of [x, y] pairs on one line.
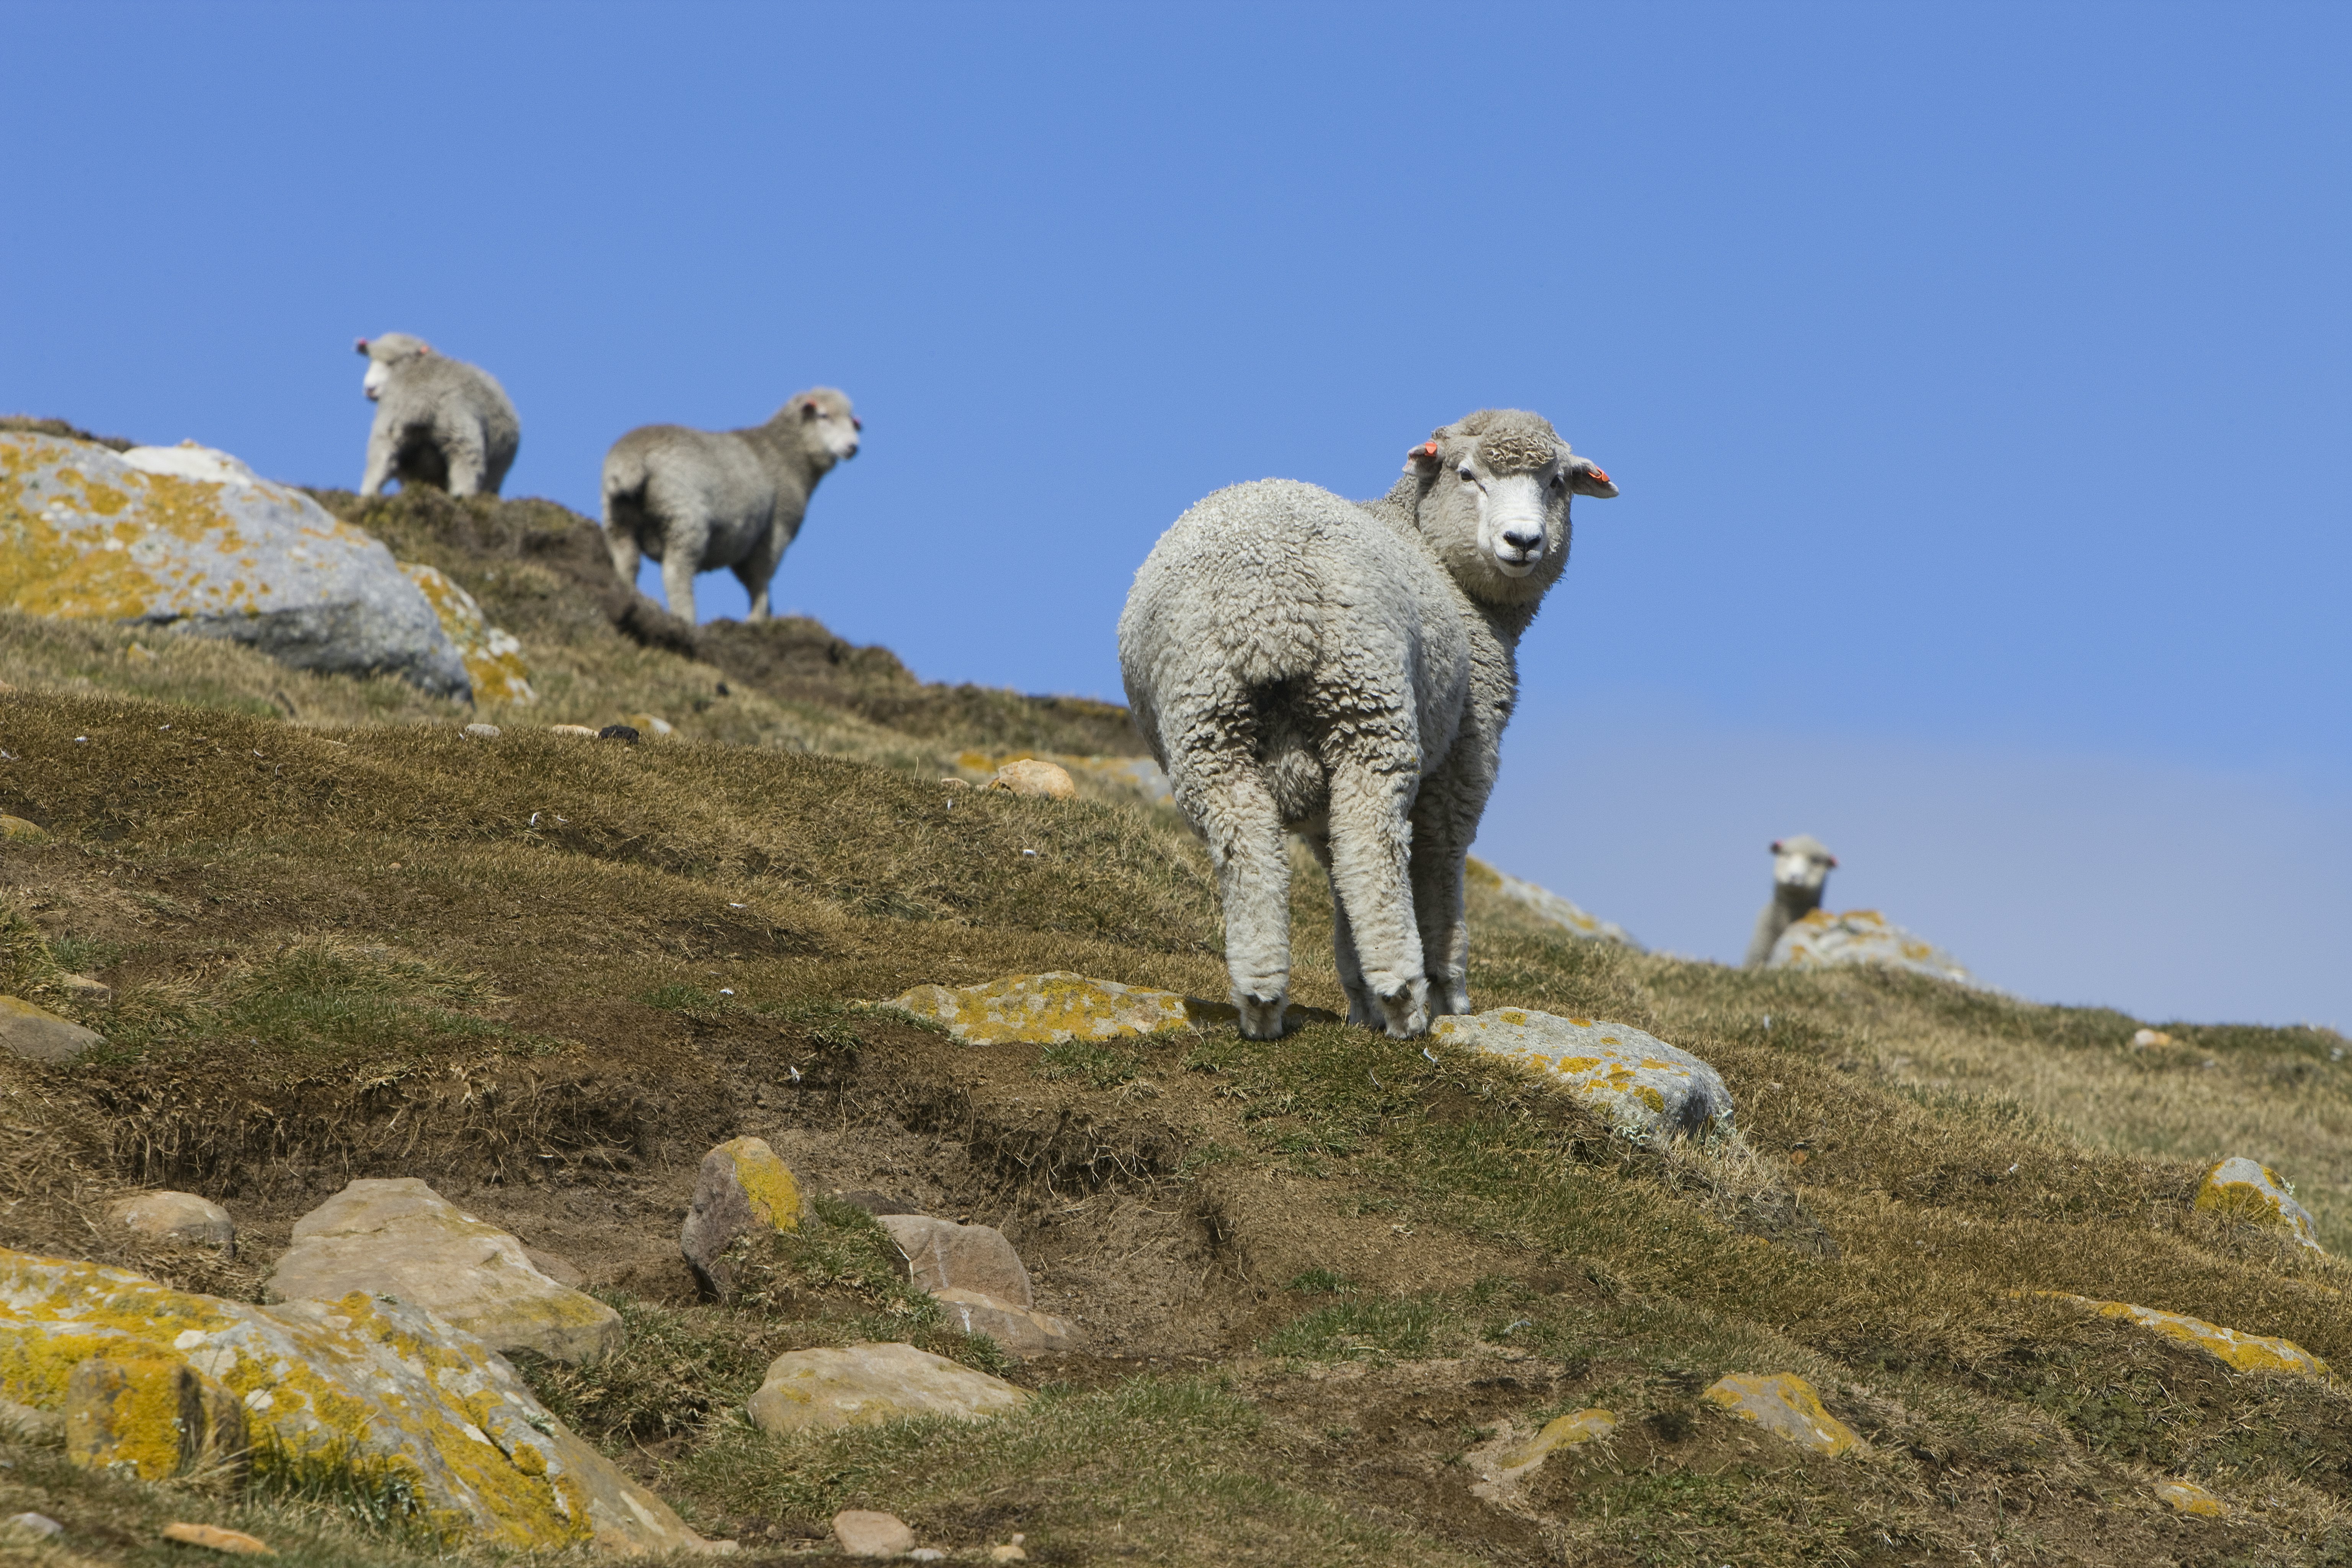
[[382, 354], [1495, 492], [1802, 863], [827, 422]]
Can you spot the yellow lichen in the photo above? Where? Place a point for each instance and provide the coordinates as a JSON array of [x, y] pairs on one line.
[[2243, 1352], [1785, 1405], [767, 1181]]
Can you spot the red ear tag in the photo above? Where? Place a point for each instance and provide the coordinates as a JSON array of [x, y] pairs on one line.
[[1429, 449], [1603, 478]]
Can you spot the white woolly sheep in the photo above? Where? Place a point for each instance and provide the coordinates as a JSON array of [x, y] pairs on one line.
[[1344, 669], [1801, 875], [438, 421], [695, 501]]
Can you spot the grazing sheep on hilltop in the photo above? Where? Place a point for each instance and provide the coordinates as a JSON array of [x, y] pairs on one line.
[[1801, 874], [1345, 670], [695, 501], [438, 421]]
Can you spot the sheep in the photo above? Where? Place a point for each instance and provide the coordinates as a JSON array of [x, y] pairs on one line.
[[438, 421], [695, 501], [1801, 874], [1344, 669]]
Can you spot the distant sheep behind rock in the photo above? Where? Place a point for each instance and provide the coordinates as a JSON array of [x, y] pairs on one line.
[[1801, 874], [438, 421]]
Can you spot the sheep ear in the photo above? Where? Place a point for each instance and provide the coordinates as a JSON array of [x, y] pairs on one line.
[[1586, 479], [1421, 460]]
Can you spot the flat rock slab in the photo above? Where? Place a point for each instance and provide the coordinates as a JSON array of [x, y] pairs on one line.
[[2249, 1190], [1020, 1331], [403, 1239], [1548, 905], [2243, 1352], [1056, 1008], [377, 1381], [867, 1384], [175, 1216], [944, 1255], [868, 1532], [1785, 1405], [39, 1035], [743, 1189], [191, 538], [1824, 940], [1638, 1082]]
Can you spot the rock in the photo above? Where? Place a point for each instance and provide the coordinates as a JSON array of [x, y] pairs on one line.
[[2244, 1353], [624, 734], [864, 1532], [364, 1381], [493, 658], [84, 987], [652, 724], [2144, 1038], [152, 1416], [1018, 1330], [1547, 905], [17, 830], [175, 1216], [1824, 940], [944, 1255], [2251, 1191], [23, 1424], [562, 1270], [401, 1239], [34, 1524], [867, 1384], [482, 732], [213, 1538], [572, 730], [1010, 1551], [39, 1035], [2187, 1496], [1638, 1082], [1034, 777], [743, 1189], [1047, 1009], [1785, 1405], [191, 538], [1562, 1432], [944, 784]]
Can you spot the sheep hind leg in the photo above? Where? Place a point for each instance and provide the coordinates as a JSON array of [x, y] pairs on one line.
[[1229, 802], [1372, 876], [1361, 1007]]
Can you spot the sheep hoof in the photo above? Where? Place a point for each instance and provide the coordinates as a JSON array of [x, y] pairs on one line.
[[1365, 1012], [1261, 1017]]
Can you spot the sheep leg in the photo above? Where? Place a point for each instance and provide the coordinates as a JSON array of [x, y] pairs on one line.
[[465, 462], [621, 540], [381, 450], [757, 570], [1371, 873], [1441, 843], [678, 580], [1361, 1008], [1222, 792]]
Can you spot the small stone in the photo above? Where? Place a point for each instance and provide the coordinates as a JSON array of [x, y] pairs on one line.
[[2251, 1191], [1018, 1330], [867, 1384], [572, 730], [1785, 1405], [2244, 1353], [742, 1189], [177, 1216], [2145, 1038], [928, 1554], [1035, 778], [34, 1524], [401, 1239], [84, 987], [482, 732], [944, 784], [943, 1256], [23, 1424], [1010, 1551], [1563, 1432], [864, 1532], [1640, 1082], [235, 1542], [17, 830], [152, 1419], [624, 734], [39, 1035], [2187, 1496], [562, 1270]]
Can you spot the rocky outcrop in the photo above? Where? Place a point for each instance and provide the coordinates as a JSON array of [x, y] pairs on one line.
[[1640, 1082], [401, 1239], [1824, 940], [867, 1384], [1545, 905], [1785, 1405], [2249, 1191], [191, 538], [493, 658], [153, 1416], [405, 1403], [742, 1190], [944, 1255]]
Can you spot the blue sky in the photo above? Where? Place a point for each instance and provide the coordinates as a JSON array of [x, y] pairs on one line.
[[1976, 376]]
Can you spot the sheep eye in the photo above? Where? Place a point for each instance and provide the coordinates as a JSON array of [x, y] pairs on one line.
[[1468, 478]]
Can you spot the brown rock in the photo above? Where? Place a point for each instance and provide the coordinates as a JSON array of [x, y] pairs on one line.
[[175, 1216], [1029, 777], [743, 1189], [1019, 1330], [39, 1035], [864, 1532], [17, 830], [944, 1255]]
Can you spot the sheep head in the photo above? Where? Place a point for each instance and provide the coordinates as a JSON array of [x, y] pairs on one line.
[[826, 423], [1802, 863], [1493, 498], [383, 353]]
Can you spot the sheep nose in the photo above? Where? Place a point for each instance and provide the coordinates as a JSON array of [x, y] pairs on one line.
[[1525, 541]]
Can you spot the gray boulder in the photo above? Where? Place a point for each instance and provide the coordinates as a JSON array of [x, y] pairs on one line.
[[190, 538]]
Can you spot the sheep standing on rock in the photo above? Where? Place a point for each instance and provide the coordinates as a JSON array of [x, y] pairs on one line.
[[1345, 670], [695, 501], [438, 421], [1801, 875]]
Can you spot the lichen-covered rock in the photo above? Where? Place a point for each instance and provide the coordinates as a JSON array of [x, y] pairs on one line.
[[2241, 1352], [493, 658], [39, 1035], [191, 538], [401, 1239], [17, 830], [1035, 778], [1824, 940], [867, 1384], [944, 1255], [381, 1387], [2249, 1190], [1785, 1405], [1047, 1009], [1644, 1085], [175, 1216], [2187, 1496], [154, 1417], [1561, 1432], [742, 1189], [1020, 1331], [1546, 904]]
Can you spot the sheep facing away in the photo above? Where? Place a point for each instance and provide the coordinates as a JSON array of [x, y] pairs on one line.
[[696, 500], [438, 421], [1344, 669], [1801, 875]]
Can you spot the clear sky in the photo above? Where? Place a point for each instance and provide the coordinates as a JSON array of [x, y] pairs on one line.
[[1977, 376]]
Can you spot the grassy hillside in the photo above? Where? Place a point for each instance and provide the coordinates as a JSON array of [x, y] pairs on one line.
[[546, 975]]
